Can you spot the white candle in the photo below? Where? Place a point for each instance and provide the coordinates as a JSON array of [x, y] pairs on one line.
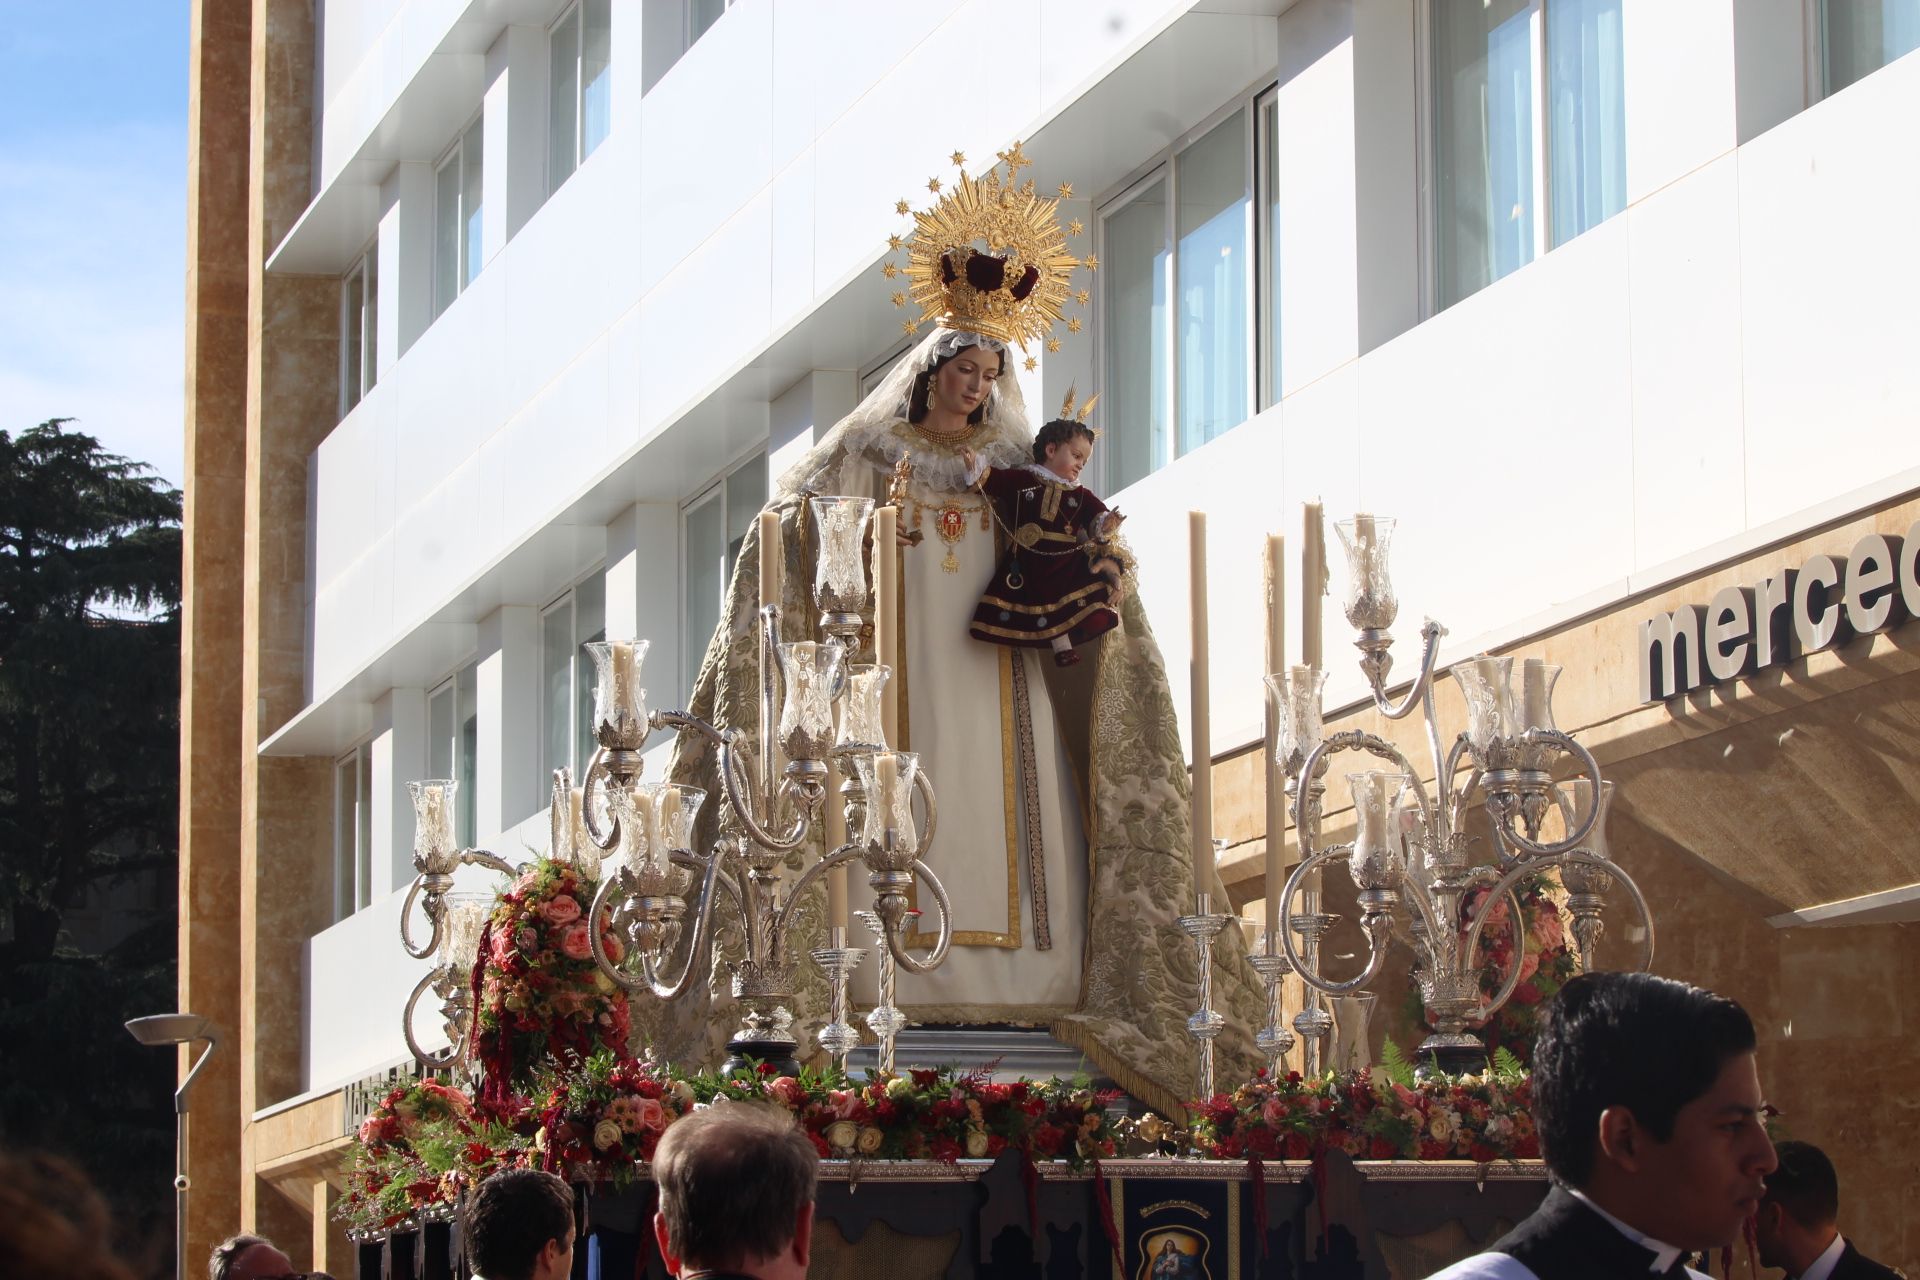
[[771, 559], [1313, 584], [1202, 735], [622, 679], [886, 780], [650, 805], [1533, 693], [836, 836], [1276, 785], [886, 615]]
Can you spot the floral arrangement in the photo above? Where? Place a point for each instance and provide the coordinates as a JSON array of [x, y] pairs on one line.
[[1546, 962], [604, 1119], [936, 1114], [423, 1146], [1384, 1116], [599, 1120], [538, 995]]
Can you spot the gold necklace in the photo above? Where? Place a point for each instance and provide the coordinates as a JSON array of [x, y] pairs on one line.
[[944, 437]]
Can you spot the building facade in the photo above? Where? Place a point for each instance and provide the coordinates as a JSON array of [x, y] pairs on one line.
[[502, 314]]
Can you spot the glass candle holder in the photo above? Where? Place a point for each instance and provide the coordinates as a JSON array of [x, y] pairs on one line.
[[888, 777], [434, 847], [663, 816], [1487, 684], [806, 717], [467, 914], [619, 703], [1370, 604], [1296, 697], [840, 577], [1379, 859], [861, 728], [569, 843]]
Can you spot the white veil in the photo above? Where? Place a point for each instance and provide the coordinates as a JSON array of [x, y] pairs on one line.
[[866, 437]]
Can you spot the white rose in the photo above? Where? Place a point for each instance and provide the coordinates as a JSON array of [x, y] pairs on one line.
[[871, 1140], [976, 1143], [842, 1134], [606, 1135]]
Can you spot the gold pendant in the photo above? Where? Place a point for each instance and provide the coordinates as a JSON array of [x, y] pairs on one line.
[[952, 563], [952, 526]]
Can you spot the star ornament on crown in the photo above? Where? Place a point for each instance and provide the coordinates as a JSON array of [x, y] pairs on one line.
[[990, 257]]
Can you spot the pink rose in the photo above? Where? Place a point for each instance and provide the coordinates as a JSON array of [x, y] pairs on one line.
[[847, 1104], [562, 910], [615, 949], [1529, 965], [649, 1114], [1273, 1111], [786, 1091], [575, 943], [1546, 929]]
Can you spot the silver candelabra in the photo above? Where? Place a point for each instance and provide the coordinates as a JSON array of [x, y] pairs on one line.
[[1412, 846], [659, 880]]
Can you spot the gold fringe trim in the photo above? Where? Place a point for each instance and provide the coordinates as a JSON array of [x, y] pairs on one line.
[[1077, 1035]]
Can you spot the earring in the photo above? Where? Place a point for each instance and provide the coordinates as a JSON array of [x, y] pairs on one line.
[[929, 402]]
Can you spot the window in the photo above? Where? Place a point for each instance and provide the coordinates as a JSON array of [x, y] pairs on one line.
[[457, 213], [1529, 132], [1177, 366], [581, 86], [453, 728], [702, 14], [352, 832], [1858, 37], [566, 676], [359, 306], [714, 525], [1266, 110]]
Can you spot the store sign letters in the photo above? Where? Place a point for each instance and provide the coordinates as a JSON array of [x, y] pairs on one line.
[[1827, 600]]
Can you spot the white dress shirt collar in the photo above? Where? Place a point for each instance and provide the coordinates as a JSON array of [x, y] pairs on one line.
[[1823, 1266], [1664, 1254]]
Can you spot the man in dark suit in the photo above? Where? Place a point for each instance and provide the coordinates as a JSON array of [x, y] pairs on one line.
[[1797, 1227], [1648, 1105]]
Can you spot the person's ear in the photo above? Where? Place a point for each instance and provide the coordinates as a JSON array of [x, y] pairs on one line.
[[1621, 1139], [668, 1259], [803, 1235]]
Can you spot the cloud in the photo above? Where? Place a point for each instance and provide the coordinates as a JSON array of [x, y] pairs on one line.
[[92, 287]]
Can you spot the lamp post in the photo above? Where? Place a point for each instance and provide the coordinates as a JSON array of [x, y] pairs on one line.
[[165, 1029]]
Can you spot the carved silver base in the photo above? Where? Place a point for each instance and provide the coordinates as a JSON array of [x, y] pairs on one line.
[[1272, 1040], [1206, 1023], [838, 960], [885, 1020]]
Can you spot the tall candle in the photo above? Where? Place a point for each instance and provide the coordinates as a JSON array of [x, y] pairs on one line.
[[1533, 693], [836, 836], [886, 780], [1202, 735], [771, 561], [1313, 584], [886, 614], [622, 664], [1276, 785]]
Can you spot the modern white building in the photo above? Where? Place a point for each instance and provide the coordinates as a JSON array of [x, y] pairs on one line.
[[1594, 296]]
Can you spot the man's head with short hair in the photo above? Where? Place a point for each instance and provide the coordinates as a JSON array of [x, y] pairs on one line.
[[1800, 1213], [736, 1191], [520, 1227], [247, 1257], [1647, 1098]]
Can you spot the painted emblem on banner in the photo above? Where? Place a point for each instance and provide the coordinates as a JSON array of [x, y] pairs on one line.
[[1173, 1254]]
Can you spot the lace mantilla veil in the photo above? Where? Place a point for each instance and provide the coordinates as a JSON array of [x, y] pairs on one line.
[[867, 437]]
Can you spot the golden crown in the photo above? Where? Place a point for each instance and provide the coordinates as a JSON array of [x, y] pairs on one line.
[[990, 257]]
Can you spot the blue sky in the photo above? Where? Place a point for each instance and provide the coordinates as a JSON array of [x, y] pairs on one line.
[[93, 148]]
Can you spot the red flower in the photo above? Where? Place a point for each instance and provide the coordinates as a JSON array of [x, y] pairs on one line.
[[820, 1145], [1298, 1147], [1047, 1139], [924, 1078], [1432, 1150], [478, 1153], [946, 1150], [1526, 993], [1481, 1153], [995, 1144], [1381, 1149]]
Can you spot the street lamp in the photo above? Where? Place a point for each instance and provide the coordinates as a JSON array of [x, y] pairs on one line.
[[164, 1029]]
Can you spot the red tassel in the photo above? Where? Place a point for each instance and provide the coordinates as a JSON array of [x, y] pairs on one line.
[[1319, 1170], [1726, 1260], [1257, 1174], [1105, 1201], [1030, 1179]]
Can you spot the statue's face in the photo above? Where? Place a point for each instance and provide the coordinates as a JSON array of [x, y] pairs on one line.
[[963, 382]]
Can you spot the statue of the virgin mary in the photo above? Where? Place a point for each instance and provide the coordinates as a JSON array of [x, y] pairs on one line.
[[1062, 836]]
